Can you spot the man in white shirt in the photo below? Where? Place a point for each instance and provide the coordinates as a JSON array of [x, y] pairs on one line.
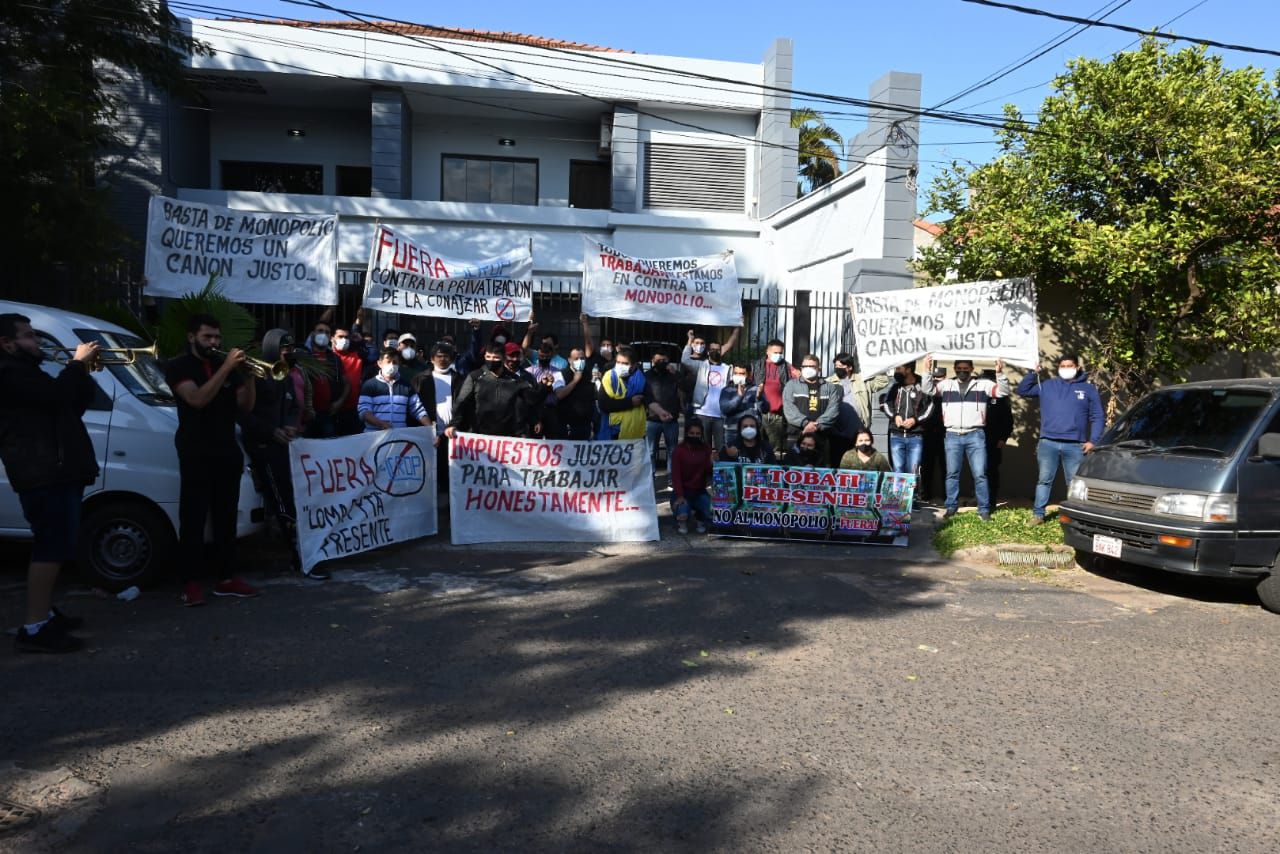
[[438, 389]]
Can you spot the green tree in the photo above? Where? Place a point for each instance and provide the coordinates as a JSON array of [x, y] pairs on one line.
[[59, 63], [1150, 191], [819, 161]]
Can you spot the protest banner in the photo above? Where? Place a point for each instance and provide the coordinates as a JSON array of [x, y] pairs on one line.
[[503, 489], [361, 492], [256, 257], [407, 278], [991, 320], [702, 291], [817, 505]]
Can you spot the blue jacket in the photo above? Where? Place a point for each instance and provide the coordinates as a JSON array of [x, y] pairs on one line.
[[1070, 411]]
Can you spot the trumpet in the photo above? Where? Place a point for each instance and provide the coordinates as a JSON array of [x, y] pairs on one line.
[[107, 355], [261, 368]]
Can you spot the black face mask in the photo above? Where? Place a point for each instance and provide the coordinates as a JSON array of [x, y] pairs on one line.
[[714, 357], [963, 376], [808, 453], [899, 377], [842, 372], [544, 362], [866, 449], [693, 440], [291, 358], [659, 366], [494, 367]]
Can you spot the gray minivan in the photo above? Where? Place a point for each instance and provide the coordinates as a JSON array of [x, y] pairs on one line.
[[1187, 480]]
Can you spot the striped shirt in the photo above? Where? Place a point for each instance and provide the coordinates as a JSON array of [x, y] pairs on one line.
[[964, 408], [390, 401]]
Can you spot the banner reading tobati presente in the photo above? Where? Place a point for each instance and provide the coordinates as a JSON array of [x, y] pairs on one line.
[[256, 257], [818, 505], [361, 492], [988, 320], [408, 278], [505, 490], [670, 290]]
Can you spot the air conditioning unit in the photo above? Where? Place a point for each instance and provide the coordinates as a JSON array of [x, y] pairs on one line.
[[606, 135]]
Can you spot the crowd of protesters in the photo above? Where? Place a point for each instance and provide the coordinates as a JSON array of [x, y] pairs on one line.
[[691, 410]]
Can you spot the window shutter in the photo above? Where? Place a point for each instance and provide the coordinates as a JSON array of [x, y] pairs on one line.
[[695, 177]]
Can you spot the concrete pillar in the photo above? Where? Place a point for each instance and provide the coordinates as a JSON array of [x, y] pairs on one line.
[[626, 160], [391, 155], [777, 156]]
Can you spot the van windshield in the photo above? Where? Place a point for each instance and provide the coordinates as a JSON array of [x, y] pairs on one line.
[[1190, 420], [144, 377]]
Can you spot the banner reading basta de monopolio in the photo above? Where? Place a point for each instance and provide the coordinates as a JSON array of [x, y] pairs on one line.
[[504, 490], [692, 290], [974, 320], [405, 277], [358, 493]]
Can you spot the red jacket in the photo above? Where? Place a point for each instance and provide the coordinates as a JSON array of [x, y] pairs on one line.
[[690, 469], [353, 369]]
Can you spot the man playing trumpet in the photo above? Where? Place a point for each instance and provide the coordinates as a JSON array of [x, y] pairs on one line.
[[209, 394]]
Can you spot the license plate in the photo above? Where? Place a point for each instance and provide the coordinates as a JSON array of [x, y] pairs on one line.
[[1109, 546]]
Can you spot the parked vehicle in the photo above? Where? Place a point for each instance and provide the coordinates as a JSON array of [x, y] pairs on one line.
[[1188, 480], [128, 533]]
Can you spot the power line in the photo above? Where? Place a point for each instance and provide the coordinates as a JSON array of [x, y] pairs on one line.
[[1027, 10], [1053, 43]]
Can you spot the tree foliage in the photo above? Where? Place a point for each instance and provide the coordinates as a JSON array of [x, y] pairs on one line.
[[59, 62], [1149, 190], [819, 161]]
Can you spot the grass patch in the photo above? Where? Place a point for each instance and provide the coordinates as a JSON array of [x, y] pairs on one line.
[[966, 530]]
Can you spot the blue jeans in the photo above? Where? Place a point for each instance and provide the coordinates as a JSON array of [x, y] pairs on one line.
[[670, 430], [700, 504], [971, 446], [1051, 454], [904, 452]]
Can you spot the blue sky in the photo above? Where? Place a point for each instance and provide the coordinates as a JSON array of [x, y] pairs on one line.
[[841, 48]]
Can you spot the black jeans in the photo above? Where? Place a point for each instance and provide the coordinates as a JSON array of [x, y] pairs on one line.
[[210, 489]]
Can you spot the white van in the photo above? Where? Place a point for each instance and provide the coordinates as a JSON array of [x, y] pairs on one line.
[[128, 534]]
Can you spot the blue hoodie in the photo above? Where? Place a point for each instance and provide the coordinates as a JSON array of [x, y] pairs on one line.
[[1070, 410]]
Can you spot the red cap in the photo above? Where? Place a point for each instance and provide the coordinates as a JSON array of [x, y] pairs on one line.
[[514, 349]]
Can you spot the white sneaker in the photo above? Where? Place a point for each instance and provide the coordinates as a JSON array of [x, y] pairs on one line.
[[682, 527], [700, 528]]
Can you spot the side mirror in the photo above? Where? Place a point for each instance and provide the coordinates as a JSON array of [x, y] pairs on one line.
[[1269, 446]]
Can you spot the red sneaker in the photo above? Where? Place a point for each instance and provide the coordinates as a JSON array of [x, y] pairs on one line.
[[192, 594], [235, 587]]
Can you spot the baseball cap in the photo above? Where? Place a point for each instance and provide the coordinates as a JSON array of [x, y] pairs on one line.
[[513, 349], [408, 336]]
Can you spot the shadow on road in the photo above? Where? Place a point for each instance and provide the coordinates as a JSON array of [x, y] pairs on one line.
[[1200, 589]]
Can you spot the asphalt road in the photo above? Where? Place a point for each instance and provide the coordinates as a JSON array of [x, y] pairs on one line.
[[703, 696]]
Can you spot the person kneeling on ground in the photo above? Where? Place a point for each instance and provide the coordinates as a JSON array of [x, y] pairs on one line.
[[863, 456], [690, 471], [749, 445]]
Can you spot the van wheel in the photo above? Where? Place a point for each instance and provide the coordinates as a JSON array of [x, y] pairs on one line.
[[124, 544], [1269, 591]]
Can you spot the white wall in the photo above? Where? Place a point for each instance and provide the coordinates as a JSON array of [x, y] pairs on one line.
[[722, 130], [552, 144], [256, 134]]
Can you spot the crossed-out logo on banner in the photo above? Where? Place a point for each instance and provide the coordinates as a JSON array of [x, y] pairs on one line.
[[399, 468]]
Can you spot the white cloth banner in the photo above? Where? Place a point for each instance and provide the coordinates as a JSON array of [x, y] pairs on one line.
[[505, 490], [991, 320], [701, 291], [256, 257], [407, 278], [364, 491]]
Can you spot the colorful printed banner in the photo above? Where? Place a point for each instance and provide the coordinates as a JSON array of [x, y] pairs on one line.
[[407, 278], [826, 505], [506, 490], [361, 492], [256, 257], [670, 290], [975, 320]]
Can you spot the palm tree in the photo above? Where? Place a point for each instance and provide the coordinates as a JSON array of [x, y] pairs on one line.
[[819, 161]]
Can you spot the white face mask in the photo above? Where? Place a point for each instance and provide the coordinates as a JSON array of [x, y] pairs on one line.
[[389, 345], [341, 344], [699, 348], [1067, 373], [776, 358], [499, 339], [739, 379], [389, 372], [579, 364], [320, 339], [605, 349], [408, 353], [622, 370], [748, 432], [809, 373]]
